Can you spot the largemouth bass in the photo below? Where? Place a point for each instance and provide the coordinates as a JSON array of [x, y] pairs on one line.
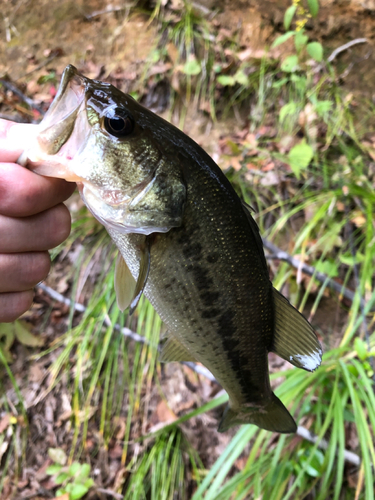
[[185, 239]]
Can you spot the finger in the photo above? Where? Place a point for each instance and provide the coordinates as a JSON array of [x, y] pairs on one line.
[[35, 233], [21, 271], [15, 138], [12, 305], [23, 193]]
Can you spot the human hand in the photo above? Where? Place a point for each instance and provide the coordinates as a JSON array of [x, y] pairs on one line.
[[32, 221]]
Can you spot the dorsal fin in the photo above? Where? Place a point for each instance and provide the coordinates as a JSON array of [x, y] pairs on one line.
[[294, 339]]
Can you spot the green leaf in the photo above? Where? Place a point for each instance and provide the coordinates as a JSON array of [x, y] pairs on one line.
[[288, 16], [7, 338], [280, 83], [53, 469], [226, 80], [78, 491], [241, 78], [327, 267], [300, 157], [313, 7], [288, 109], [300, 40], [75, 468], [62, 477], [25, 337], [323, 107], [282, 38], [315, 50], [192, 67], [85, 471], [290, 64], [361, 348], [89, 483]]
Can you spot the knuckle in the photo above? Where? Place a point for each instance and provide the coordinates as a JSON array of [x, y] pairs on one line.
[[60, 224], [39, 267]]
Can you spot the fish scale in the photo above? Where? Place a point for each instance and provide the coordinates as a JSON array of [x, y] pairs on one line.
[[185, 238], [174, 254]]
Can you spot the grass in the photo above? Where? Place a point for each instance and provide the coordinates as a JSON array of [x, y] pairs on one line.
[[325, 213]]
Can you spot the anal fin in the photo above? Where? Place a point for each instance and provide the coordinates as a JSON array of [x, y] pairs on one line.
[[294, 339], [173, 350]]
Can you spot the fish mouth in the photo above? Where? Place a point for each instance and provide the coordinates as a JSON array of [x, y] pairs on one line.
[[55, 144]]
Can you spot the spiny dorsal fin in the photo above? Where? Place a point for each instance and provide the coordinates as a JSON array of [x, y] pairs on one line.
[[294, 339], [173, 350], [124, 284]]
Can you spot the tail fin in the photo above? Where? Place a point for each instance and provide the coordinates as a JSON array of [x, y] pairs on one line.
[[271, 417]]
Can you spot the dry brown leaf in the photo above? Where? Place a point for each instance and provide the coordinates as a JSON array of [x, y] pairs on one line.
[[164, 413], [5, 422]]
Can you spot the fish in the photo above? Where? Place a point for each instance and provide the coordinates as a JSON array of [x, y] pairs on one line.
[[185, 239]]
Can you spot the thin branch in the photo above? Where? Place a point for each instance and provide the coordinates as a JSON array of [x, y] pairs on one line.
[[349, 456], [22, 96], [81, 308], [277, 253], [201, 370], [344, 47]]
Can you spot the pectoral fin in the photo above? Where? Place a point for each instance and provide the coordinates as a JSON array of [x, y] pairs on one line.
[[129, 291], [294, 340], [173, 350], [125, 284]]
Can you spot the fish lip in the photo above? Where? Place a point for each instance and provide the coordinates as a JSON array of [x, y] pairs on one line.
[[69, 98], [47, 155]]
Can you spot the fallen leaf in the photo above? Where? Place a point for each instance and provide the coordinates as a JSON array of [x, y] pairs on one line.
[[24, 336], [4, 423]]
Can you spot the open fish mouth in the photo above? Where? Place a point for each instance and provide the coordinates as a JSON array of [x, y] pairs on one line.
[[55, 144]]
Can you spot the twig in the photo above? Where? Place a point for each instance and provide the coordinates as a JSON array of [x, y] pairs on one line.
[[338, 51], [110, 493], [81, 308], [344, 47], [40, 66], [349, 456], [21, 95], [108, 10], [12, 118], [201, 370], [279, 254]]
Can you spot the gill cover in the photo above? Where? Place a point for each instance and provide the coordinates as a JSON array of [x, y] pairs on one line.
[[91, 135]]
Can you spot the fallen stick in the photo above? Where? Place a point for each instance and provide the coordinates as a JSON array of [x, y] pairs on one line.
[[277, 253]]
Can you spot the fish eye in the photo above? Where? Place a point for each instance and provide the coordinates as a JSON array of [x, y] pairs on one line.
[[118, 123]]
